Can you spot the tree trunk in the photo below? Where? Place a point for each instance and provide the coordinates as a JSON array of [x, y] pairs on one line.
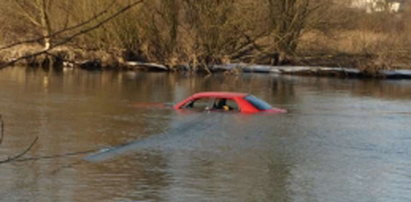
[[45, 23], [288, 18]]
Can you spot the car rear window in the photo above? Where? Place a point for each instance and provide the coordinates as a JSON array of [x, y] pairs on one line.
[[259, 104]]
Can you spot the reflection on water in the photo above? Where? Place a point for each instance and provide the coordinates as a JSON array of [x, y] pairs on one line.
[[343, 140]]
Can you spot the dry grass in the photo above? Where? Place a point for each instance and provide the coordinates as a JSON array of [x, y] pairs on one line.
[[384, 50], [340, 41]]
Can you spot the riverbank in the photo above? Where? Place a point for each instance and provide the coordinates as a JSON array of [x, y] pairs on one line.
[[353, 66]]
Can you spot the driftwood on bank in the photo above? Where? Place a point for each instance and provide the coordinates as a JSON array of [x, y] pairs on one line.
[[400, 73], [285, 70], [146, 66], [316, 71]]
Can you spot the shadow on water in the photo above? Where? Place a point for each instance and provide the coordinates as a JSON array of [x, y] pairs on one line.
[[205, 152], [199, 132]]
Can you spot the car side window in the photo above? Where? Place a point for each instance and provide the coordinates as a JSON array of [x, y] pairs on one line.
[[199, 104], [233, 105], [225, 105]]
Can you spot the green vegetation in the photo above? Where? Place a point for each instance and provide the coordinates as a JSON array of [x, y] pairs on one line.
[[198, 33]]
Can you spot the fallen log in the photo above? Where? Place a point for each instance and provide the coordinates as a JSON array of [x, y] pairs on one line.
[[146, 66], [396, 74], [307, 70]]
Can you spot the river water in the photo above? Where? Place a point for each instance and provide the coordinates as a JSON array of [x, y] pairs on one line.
[[342, 140]]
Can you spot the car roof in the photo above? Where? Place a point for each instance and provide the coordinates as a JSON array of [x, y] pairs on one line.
[[219, 94]]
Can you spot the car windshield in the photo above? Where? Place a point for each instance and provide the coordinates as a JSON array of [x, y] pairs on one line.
[[259, 104]]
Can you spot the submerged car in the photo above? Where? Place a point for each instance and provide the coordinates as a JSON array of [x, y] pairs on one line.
[[226, 101]]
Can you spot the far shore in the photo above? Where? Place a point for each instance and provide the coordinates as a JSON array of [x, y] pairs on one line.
[[346, 66]]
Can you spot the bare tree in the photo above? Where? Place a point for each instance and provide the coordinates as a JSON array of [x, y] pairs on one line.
[[288, 19], [161, 30], [215, 30], [37, 13], [79, 30]]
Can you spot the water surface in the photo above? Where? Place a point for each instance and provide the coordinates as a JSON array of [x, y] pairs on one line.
[[342, 140]]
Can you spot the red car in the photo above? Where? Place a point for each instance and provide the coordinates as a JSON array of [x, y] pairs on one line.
[[226, 101]]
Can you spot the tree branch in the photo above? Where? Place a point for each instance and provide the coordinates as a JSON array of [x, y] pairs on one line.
[[57, 155], [16, 157], [27, 14], [1, 129]]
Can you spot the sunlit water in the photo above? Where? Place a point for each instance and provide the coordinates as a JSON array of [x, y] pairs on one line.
[[342, 140]]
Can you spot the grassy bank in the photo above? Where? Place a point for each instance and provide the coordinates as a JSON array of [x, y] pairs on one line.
[[362, 49]]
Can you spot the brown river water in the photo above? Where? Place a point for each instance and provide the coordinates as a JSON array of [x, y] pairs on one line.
[[342, 140]]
